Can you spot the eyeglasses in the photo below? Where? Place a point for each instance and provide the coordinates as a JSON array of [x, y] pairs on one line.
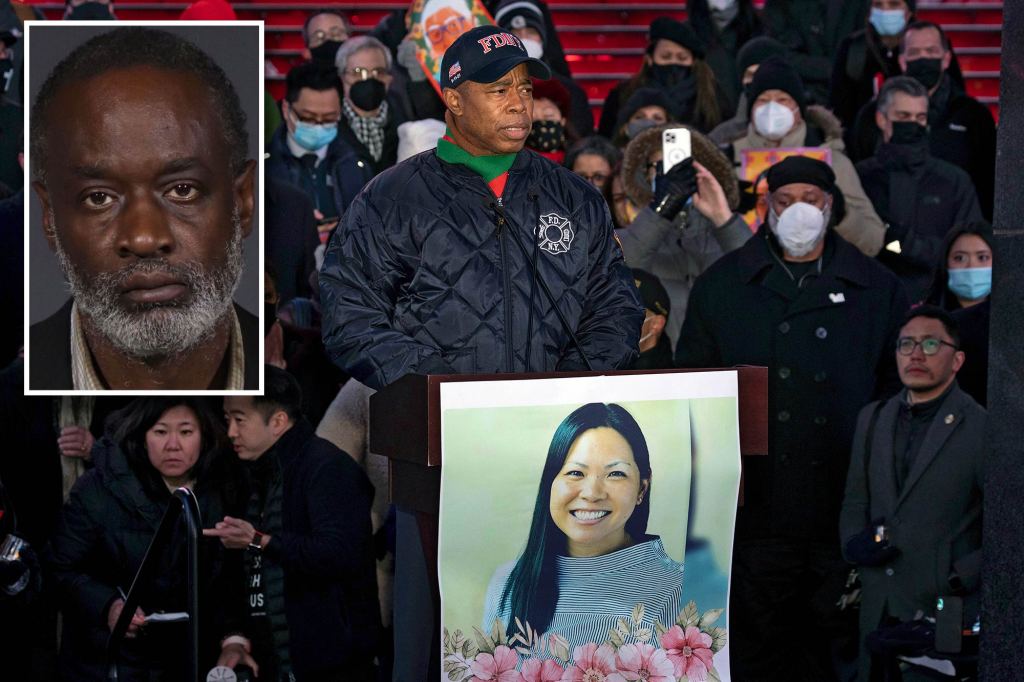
[[316, 120], [320, 36], [360, 73], [929, 346], [455, 26]]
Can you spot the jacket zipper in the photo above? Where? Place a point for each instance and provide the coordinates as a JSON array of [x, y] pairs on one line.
[[508, 290]]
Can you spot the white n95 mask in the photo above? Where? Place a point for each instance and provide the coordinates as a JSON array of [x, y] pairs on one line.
[[800, 227], [534, 48], [773, 120]]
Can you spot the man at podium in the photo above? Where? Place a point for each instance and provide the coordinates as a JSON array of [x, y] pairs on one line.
[[481, 256]]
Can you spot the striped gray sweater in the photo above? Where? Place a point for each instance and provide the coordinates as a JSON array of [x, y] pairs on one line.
[[595, 592]]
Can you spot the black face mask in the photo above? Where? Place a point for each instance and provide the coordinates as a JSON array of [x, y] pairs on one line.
[[546, 136], [325, 52], [908, 133], [90, 11], [367, 94], [6, 74], [927, 72], [669, 75]]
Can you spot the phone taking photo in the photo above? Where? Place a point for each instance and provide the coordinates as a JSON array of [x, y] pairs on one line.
[[675, 147]]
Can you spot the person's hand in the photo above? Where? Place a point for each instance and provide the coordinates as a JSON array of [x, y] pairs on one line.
[[233, 533], [138, 620], [672, 189], [866, 548], [406, 56], [710, 198], [234, 654], [75, 441], [323, 226]]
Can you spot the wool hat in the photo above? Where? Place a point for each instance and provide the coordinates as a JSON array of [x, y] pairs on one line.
[[776, 74], [652, 292], [757, 50], [665, 28], [802, 169], [512, 14], [553, 90], [643, 97]]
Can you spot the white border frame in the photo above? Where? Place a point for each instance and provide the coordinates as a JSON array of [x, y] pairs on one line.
[[260, 191]]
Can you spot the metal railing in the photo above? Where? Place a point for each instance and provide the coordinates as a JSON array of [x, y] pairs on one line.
[[183, 503]]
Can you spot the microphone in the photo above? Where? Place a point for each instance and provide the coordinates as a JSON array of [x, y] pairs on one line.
[[502, 220]]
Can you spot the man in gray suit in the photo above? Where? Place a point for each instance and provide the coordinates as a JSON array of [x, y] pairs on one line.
[[911, 517]]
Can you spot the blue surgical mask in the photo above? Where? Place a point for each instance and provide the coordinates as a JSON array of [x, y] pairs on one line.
[[313, 136], [971, 284], [888, 22]]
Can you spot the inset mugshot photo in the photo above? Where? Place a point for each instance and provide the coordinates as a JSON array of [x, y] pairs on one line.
[[144, 257]]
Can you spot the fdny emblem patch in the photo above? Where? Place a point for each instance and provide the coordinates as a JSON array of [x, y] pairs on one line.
[[554, 234]]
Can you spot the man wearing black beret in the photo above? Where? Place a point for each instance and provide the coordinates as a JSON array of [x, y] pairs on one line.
[[823, 318]]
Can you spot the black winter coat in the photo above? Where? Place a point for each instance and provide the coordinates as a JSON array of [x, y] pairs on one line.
[[860, 60], [424, 277], [102, 536], [961, 131], [347, 171], [291, 238], [919, 198], [326, 550], [828, 350]]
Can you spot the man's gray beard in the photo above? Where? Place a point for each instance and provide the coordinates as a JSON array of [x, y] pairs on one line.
[[158, 330]]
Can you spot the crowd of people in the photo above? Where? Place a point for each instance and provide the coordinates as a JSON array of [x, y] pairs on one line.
[[487, 226]]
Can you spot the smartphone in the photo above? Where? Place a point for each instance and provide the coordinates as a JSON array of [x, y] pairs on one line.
[[675, 147]]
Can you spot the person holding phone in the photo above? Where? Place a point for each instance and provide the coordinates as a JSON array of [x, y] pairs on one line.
[[674, 238]]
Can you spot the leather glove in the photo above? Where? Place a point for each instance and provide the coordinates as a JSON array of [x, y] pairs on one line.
[[672, 189], [865, 549], [407, 58]]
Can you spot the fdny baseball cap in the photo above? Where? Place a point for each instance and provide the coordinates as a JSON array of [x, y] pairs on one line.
[[484, 54]]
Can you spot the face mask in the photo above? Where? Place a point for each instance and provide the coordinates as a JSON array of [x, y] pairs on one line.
[[773, 120], [908, 132], [970, 284], [669, 75], [314, 136], [534, 48], [367, 94], [546, 136], [721, 5], [325, 52], [799, 228], [634, 128], [888, 22], [6, 74], [90, 10], [927, 72]]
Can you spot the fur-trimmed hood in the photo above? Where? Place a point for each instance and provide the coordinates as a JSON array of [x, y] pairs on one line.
[[634, 164]]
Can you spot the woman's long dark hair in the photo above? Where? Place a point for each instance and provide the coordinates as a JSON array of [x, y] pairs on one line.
[[939, 294], [531, 590], [706, 112], [128, 426]]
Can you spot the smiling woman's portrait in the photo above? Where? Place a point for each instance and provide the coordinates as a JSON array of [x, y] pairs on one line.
[[589, 559]]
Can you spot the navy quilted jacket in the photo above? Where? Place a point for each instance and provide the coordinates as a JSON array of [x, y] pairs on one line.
[[424, 276]]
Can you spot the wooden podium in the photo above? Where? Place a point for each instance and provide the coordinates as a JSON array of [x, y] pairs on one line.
[[405, 427]]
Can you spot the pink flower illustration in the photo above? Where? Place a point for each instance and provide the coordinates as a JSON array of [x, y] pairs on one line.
[[690, 652], [644, 662], [497, 667], [534, 670], [592, 663]]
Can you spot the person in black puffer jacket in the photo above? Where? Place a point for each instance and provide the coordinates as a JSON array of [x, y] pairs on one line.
[[481, 257], [106, 527]]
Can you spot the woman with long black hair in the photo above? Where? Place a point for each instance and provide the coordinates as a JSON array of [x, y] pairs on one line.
[[674, 63], [588, 560], [152, 446]]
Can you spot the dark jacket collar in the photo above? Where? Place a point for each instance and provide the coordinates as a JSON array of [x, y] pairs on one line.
[[755, 258], [291, 442]]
